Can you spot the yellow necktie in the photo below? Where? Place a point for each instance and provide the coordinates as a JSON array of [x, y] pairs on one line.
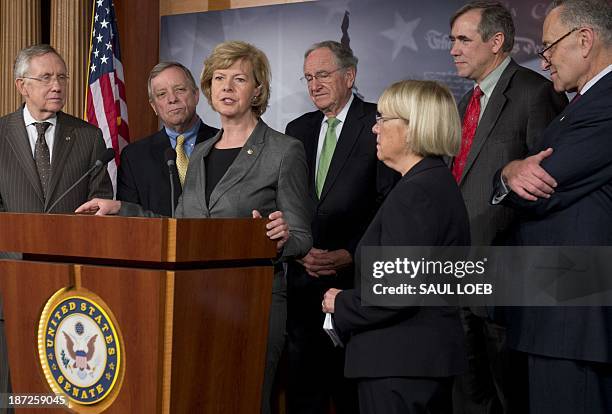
[[181, 159]]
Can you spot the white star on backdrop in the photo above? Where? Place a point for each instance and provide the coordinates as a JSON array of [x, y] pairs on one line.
[[402, 35]]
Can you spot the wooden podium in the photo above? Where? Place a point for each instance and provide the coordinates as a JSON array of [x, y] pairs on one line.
[[191, 298]]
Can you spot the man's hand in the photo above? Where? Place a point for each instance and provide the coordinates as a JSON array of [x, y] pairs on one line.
[[325, 263], [527, 179], [99, 206], [278, 229]]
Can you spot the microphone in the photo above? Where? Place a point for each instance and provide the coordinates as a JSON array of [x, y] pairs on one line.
[[170, 157], [104, 159]]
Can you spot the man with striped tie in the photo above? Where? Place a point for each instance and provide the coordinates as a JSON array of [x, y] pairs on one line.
[[44, 151], [143, 174]]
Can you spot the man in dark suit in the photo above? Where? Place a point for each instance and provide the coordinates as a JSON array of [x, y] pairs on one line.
[[562, 192], [43, 151], [503, 116], [143, 176], [347, 184]]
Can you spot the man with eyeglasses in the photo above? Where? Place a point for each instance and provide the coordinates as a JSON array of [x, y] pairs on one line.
[[43, 151], [563, 191], [503, 114], [347, 184]]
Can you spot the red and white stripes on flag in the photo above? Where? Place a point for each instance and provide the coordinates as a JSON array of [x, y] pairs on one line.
[[105, 105]]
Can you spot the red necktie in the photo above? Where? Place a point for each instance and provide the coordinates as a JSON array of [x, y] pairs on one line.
[[468, 129], [575, 98]]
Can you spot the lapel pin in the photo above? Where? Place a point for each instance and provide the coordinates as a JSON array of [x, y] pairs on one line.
[[250, 151]]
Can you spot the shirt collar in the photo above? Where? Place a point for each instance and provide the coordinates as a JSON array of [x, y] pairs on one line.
[[189, 135], [488, 84], [593, 81], [29, 119], [342, 114]]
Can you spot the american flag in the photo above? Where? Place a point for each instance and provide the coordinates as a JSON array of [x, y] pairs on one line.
[[105, 104]]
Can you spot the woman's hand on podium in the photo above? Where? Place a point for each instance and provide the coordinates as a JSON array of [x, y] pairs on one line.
[[278, 229], [99, 207]]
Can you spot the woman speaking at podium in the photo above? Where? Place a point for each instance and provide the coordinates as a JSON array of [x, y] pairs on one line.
[[246, 170]]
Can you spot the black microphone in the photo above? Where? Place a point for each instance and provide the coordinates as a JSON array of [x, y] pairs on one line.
[[170, 156], [107, 155]]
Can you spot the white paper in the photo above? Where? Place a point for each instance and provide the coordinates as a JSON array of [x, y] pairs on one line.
[[328, 326]]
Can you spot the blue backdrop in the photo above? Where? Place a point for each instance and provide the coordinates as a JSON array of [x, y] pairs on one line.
[[393, 39]]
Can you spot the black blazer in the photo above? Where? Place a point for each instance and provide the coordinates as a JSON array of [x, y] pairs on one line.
[[578, 213], [521, 106], [354, 189], [143, 174], [424, 209]]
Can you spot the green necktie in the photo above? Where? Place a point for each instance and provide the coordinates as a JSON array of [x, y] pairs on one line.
[[327, 152]]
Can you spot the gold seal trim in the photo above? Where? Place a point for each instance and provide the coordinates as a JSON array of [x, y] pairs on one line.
[[109, 396]]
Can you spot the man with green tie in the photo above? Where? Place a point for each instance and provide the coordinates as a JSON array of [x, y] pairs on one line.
[[347, 184]]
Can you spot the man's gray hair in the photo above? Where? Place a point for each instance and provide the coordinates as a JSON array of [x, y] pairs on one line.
[[25, 56], [162, 66], [343, 54], [495, 18], [596, 14]]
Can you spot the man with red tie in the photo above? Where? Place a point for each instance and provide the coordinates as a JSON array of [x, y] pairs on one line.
[[503, 116]]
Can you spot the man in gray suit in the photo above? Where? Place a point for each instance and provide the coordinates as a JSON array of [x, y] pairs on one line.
[[503, 116], [43, 151]]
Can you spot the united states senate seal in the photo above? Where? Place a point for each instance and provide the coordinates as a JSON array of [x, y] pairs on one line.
[[80, 349]]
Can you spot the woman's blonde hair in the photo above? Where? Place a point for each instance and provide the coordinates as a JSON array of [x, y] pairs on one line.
[[225, 55], [430, 111]]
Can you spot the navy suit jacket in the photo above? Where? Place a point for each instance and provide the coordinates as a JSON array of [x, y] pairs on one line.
[[578, 213], [143, 176], [425, 208]]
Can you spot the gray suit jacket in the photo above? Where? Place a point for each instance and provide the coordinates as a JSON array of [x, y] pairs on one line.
[[522, 104], [269, 174], [76, 147]]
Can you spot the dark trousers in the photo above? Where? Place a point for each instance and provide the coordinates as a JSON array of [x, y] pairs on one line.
[[316, 367], [316, 377], [405, 395], [496, 380], [564, 386]]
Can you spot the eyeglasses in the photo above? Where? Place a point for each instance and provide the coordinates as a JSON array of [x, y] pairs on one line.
[[48, 79], [382, 119], [545, 48], [322, 76]]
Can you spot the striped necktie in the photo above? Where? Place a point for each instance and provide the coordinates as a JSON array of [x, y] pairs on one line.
[[42, 156]]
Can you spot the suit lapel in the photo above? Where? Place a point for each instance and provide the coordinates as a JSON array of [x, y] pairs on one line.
[[17, 137], [245, 160], [200, 153], [159, 145], [348, 137], [62, 145], [310, 148], [489, 117]]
